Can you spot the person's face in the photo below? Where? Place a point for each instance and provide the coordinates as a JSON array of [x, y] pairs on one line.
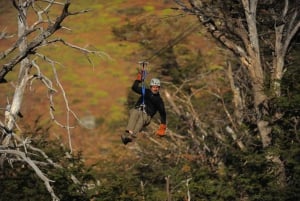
[[154, 89]]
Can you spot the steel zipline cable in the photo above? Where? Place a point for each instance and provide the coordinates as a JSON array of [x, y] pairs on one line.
[[174, 41]]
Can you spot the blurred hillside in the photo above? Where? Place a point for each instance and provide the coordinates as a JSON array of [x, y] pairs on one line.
[[97, 92]]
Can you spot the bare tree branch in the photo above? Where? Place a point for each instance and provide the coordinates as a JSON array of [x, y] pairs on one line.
[[36, 42], [37, 170]]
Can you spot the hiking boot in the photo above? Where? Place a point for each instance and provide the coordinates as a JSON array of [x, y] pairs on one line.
[[125, 139]]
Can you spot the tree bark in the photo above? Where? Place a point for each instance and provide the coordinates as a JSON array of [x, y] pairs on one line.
[[15, 106]]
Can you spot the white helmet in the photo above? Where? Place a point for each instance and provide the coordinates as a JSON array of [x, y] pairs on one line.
[[155, 82]]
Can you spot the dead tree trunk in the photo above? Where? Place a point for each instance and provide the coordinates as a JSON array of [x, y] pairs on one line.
[[238, 32], [15, 106]]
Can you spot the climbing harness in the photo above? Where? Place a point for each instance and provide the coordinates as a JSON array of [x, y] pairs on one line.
[[143, 65]]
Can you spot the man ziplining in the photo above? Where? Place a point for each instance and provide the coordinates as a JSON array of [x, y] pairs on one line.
[[145, 108], [150, 101]]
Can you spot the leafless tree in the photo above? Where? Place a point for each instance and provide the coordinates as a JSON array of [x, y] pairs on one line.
[[24, 54], [260, 35]]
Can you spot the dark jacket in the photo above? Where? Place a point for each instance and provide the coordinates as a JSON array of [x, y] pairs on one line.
[[152, 101]]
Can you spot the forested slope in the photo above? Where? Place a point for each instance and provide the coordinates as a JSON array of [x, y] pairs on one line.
[[213, 149]]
